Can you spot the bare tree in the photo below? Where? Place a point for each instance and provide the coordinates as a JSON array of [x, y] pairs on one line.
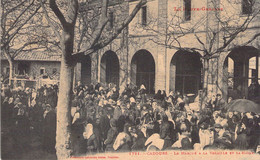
[[67, 13], [18, 29]]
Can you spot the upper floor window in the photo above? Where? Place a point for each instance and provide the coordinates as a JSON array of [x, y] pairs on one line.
[[23, 68], [247, 6], [42, 71], [111, 19], [144, 15], [187, 12]]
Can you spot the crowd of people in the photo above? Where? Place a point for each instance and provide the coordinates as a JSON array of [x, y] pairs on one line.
[[26, 114], [104, 120]]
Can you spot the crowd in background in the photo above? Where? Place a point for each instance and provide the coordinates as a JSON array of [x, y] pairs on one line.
[[26, 113], [104, 120]]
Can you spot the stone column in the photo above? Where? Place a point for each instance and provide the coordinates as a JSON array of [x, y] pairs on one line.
[[123, 61], [77, 72], [94, 67], [222, 75], [160, 74]]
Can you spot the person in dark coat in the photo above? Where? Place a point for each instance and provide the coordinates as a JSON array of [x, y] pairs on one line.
[[138, 140], [121, 123], [49, 129], [104, 124], [90, 143], [127, 142], [241, 142], [231, 124], [165, 132], [21, 129], [111, 136], [127, 91], [5, 113], [158, 95], [77, 129], [117, 112], [219, 103], [194, 131]]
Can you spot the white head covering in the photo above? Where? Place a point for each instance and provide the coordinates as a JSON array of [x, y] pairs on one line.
[[88, 131], [155, 140], [121, 138], [118, 103], [152, 138], [142, 87], [101, 88], [132, 100]]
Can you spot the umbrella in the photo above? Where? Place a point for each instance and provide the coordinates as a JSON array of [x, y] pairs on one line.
[[243, 105]]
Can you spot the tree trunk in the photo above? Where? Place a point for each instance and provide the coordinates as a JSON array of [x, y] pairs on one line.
[[205, 83], [206, 75], [11, 70], [63, 133], [11, 65]]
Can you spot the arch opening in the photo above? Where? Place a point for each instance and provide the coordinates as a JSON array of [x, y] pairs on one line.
[[185, 72], [109, 69], [86, 70], [143, 70], [241, 71]]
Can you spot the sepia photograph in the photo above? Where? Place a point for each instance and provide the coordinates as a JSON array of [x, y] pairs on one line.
[[130, 79]]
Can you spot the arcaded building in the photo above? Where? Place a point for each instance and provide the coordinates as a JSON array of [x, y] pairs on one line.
[[179, 45], [165, 48]]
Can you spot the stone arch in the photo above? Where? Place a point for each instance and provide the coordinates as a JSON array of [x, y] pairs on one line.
[[109, 68], [241, 71], [143, 70], [185, 72], [86, 69]]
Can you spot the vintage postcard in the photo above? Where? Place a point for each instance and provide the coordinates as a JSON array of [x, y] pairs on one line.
[[130, 79]]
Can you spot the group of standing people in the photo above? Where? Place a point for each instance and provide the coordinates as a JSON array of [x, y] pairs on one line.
[[135, 120], [104, 120], [29, 115]]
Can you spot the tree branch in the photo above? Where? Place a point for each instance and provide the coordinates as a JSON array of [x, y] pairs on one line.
[[122, 26], [101, 24], [90, 49], [21, 26], [14, 8], [73, 11], [54, 7], [49, 21]]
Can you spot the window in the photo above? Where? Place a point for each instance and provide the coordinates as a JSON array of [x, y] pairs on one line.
[[23, 68], [144, 16], [42, 71], [111, 19], [187, 12], [247, 6]]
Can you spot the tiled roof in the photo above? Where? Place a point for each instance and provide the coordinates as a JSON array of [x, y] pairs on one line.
[[35, 56]]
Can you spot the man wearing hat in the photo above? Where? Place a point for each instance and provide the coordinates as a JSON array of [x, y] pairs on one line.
[[49, 129], [219, 103], [111, 135], [222, 138]]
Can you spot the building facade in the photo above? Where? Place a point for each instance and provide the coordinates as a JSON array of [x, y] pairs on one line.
[[165, 48], [167, 45], [29, 67]]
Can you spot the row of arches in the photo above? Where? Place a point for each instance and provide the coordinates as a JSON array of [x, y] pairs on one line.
[[186, 69], [186, 65], [142, 69]]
